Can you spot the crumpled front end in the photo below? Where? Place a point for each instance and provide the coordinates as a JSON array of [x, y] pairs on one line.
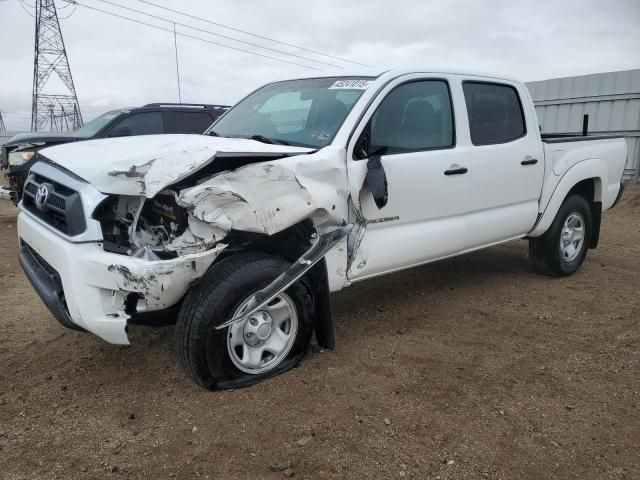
[[141, 253], [261, 196]]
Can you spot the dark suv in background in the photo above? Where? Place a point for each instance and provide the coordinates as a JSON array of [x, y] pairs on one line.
[[18, 154]]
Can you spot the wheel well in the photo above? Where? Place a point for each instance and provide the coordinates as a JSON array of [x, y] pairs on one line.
[[291, 244], [586, 188], [590, 189]]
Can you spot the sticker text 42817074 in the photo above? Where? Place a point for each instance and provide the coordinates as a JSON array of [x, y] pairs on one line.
[[351, 84]]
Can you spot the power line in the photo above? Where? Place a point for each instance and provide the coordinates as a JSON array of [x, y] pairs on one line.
[[222, 25], [25, 6], [164, 19], [190, 36], [75, 7]]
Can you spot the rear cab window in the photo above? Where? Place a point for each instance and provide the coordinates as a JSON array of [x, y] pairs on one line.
[[495, 112]]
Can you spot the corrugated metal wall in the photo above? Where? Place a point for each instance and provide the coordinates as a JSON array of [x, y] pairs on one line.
[[612, 101]]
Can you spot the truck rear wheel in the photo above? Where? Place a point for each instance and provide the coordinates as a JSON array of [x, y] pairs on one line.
[[269, 342], [561, 250]]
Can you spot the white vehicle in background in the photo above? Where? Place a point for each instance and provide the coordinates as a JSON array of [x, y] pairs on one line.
[[301, 189]]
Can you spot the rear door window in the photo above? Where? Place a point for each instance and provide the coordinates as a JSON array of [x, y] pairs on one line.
[[143, 123], [495, 113], [191, 122]]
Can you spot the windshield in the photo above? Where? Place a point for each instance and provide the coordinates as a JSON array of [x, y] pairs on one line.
[[297, 112], [91, 128]]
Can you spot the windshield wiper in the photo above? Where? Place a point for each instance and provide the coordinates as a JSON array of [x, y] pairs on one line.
[[271, 141], [213, 133]]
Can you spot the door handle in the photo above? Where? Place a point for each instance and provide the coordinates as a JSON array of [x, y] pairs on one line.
[[456, 171], [529, 161]]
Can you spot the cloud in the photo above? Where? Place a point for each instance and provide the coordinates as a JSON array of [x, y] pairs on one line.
[[116, 63]]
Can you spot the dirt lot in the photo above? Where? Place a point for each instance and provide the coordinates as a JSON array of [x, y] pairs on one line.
[[474, 367]]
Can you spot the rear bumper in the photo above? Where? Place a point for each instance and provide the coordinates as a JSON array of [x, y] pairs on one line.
[[84, 286]]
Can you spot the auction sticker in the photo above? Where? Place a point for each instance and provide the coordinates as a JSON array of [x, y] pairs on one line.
[[351, 84]]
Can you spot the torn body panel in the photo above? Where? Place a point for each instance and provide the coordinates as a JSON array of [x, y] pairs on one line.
[[265, 196], [162, 283], [318, 250], [146, 164], [262, 198]]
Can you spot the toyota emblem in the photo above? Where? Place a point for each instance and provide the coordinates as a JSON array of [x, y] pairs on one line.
[[42, 196]]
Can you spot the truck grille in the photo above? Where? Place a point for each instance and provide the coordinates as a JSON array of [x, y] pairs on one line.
[[61, 207]]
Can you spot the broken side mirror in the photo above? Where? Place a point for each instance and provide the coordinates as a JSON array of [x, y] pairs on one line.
[[376, 180]]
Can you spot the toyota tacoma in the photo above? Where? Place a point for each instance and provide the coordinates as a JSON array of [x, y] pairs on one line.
[[301, 189]]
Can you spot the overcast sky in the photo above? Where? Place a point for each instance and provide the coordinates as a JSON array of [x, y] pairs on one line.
[[116, 63]]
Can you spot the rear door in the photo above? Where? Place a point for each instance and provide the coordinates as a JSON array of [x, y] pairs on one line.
[[413, 122], [505, 161]]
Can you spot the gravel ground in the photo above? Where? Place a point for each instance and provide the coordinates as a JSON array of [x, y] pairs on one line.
[[474, 367]]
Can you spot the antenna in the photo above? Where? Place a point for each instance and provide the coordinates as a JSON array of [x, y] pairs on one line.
[[58, 111], [175, 44]]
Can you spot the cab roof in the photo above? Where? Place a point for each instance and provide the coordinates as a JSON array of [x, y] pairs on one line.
[[384, 74]]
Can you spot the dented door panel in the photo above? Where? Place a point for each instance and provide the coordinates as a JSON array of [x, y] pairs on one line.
[[423, 219]]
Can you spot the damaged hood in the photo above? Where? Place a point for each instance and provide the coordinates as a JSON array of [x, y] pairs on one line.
[[146, 164]]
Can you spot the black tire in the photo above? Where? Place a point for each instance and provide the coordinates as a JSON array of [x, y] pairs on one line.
[[202, 350], [545, 252]]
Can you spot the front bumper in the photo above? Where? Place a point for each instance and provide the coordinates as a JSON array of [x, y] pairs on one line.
[[86, 287], [46, 282]]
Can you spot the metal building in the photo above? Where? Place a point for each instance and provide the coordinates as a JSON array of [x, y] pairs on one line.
[[611, 100]]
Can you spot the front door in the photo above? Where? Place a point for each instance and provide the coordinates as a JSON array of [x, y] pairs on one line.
[[411, 127]]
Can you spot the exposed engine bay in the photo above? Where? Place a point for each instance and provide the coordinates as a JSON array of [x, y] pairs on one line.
[[143, 228]]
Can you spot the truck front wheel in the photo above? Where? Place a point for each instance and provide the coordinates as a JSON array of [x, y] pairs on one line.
[[560, 251], [270, 341]]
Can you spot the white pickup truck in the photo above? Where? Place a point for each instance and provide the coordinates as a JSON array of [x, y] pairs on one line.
[[301, 189]]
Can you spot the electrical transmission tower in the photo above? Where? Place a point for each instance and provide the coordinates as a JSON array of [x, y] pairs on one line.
[[51, 111], [3, 129]]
